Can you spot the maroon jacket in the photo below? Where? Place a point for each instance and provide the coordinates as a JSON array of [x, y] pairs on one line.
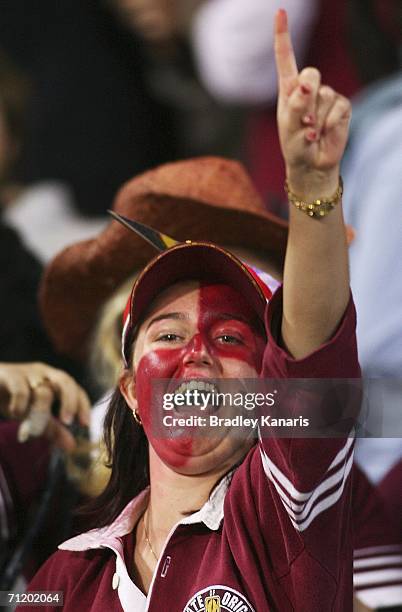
[[275, 535]]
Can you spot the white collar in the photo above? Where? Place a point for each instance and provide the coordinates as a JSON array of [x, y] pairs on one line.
[[211, 514]]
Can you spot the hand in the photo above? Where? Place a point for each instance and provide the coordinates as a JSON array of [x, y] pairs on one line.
[[313, 120], [27, 392]]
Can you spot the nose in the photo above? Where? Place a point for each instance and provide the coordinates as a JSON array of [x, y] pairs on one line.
[[197, 353]]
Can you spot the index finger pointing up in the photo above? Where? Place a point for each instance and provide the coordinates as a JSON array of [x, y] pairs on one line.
[[285, 58]]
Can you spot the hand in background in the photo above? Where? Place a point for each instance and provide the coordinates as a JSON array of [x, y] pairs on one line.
[[27, 393]]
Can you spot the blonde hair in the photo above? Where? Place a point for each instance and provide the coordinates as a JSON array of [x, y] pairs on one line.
[[86, 465], [106, 360]]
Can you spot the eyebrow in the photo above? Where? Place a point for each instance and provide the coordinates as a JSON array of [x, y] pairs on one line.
[[177, 316], [256, 324], [227, 316]]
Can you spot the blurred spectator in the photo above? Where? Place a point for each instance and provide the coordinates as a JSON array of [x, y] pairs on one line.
[[202, 126], [21, 333], [372, 201], [377, 565], [391, 491], [31, 474], [105, 352], [372, 206], [22, 336], [115, 91], [234, 41], [42, 213], [28, 392], [92, 123], [159, 22], [23, 471]]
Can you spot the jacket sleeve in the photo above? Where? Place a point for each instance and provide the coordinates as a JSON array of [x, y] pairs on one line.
[[298, 489], [310, 474]]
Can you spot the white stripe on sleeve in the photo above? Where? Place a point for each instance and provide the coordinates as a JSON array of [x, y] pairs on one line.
[[304, 507], [377, 561]]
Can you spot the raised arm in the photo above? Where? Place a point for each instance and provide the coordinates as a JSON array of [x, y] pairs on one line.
[[313, 125]]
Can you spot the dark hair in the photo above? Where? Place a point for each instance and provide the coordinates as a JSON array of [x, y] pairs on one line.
[[127, 456]]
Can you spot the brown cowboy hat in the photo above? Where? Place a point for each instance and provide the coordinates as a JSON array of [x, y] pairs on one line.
[[207, 198]]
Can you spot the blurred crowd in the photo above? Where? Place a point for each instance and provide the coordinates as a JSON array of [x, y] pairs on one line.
[[94, 93]]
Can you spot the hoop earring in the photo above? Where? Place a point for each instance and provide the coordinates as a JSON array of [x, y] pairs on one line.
[[137, 418]]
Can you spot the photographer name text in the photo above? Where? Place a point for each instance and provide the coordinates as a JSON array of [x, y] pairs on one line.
[[240, 421]]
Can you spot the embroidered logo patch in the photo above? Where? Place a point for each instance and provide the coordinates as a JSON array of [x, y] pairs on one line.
[[218, 598]]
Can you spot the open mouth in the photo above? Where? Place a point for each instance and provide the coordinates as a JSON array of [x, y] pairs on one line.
[[199, 395]]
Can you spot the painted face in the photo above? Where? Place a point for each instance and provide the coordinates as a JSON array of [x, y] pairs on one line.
[[195, 331]]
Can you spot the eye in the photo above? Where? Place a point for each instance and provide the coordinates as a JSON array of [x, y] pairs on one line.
[[169, 337], [228, 339]]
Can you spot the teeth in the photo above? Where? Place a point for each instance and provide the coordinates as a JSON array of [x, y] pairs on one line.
[[196, 384], [206, 389]]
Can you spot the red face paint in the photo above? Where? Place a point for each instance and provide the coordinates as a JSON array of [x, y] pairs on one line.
[[159, 364], [223, 344], [223, 310]]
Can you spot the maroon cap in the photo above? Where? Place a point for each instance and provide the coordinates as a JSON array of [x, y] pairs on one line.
[[202, 261]]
